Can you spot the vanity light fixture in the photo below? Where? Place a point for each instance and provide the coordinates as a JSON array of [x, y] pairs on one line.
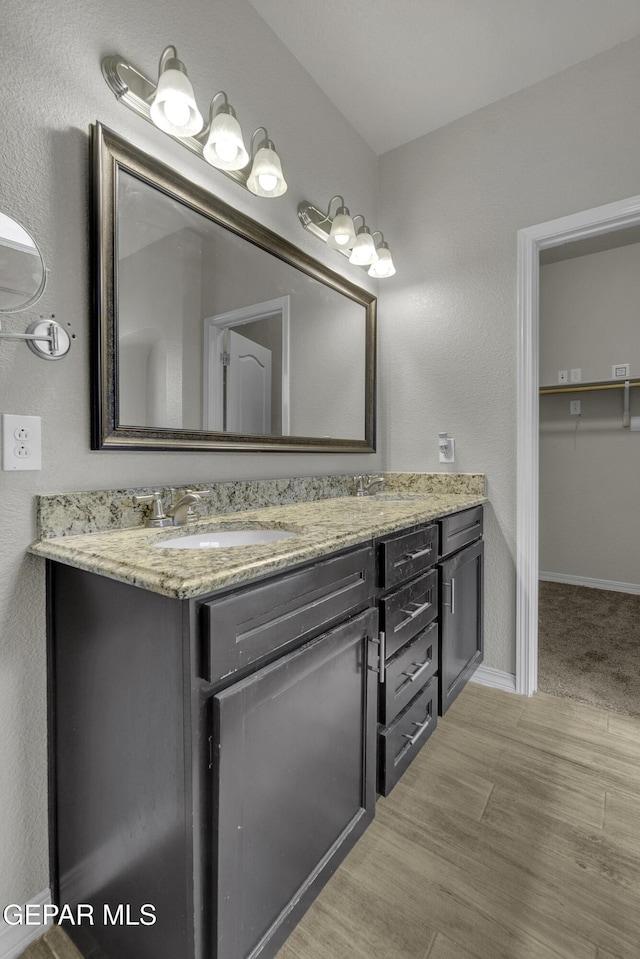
[[171, 106], [383, 266], [342, 234], [363, 252], [225, 147], [339, 232], [266, 177]]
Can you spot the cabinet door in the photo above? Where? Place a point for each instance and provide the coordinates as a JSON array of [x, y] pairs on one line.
[[294, 783], [461, 621]]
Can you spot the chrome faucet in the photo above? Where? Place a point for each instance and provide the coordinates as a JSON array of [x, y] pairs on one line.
[[365, 485], [178, 514], [181, 510]]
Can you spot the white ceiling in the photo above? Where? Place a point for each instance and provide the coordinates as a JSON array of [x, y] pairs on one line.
[[398, 69]]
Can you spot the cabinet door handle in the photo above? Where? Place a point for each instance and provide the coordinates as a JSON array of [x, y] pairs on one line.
[[380, 642], [452, 604], [419, 671], [420, 608], [421, 729]]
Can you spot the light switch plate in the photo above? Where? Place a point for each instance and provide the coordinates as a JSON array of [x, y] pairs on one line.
[[21, 448]]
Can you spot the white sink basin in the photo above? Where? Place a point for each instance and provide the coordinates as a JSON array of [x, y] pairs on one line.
[[221, 539]]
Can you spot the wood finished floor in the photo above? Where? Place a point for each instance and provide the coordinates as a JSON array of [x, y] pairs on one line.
[[515, 834]]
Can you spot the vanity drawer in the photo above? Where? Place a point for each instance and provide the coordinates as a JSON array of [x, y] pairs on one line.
[[408, 671], [401, 741], [409, 610], [459, 529], [403, 557], [245, 626]]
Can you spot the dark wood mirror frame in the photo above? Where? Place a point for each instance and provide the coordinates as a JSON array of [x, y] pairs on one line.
[[110, 154]]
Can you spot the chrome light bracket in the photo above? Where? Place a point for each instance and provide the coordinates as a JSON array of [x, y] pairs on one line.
[[136, 91], [316, 222]]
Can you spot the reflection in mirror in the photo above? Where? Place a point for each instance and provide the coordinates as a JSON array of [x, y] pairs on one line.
[[22, 272], [216, 333]]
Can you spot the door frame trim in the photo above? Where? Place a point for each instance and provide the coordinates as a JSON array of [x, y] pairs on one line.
[[214, 327], [531, 240]]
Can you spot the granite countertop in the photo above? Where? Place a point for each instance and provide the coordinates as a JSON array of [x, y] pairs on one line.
[[323, 527]]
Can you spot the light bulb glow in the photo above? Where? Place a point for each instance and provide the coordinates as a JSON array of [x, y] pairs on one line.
[[177, 111], [174, 107], [342, 235], [383, 266], [364, 252], [267, 181], [225, 148], [266, 177]]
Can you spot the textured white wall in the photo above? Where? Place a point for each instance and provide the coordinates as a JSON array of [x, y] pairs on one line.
[[589, 309], [451, 203], [52, 90]]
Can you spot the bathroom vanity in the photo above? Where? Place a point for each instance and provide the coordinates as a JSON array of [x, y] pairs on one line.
[[215, 753]]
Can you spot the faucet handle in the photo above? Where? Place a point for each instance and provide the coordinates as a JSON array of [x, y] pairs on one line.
[[358, 485], [157, 516]]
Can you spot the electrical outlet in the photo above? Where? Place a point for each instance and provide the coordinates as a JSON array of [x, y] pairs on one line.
[[21, 442], [574, 407], [562, 376], [446, 448], [576, 376], [621, 371]]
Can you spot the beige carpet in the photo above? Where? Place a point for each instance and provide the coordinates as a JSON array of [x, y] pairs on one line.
[[589, 646]]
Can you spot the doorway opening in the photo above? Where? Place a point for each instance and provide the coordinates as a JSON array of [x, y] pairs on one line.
[[531, 241]]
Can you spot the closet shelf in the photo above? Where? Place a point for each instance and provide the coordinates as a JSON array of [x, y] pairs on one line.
[[589, 387]]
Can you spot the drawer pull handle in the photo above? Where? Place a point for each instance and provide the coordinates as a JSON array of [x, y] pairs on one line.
[[421, 729], [410, 615], [419, 671], [409, 556]]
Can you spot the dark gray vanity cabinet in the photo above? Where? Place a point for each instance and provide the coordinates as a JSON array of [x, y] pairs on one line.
[[461, 577], [408, 603], [212, 758]]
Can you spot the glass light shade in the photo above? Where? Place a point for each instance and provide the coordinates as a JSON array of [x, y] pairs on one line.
[[174, 107], [343, 234], [224, 148], [266, 177], [384, 265], [364, 251]]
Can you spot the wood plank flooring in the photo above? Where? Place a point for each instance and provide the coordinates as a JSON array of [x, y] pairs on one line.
[[515, 834]]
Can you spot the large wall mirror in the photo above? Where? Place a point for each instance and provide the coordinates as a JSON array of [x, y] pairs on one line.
[[211, 331]]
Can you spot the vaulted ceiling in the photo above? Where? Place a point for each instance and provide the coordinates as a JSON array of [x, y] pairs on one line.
[[398, 69]]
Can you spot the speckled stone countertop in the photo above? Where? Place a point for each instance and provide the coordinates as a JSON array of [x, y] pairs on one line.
[[323, 527]]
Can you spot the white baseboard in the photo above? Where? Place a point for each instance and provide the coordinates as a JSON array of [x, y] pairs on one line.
[[496, 678], [571, 580], [15, 939]]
